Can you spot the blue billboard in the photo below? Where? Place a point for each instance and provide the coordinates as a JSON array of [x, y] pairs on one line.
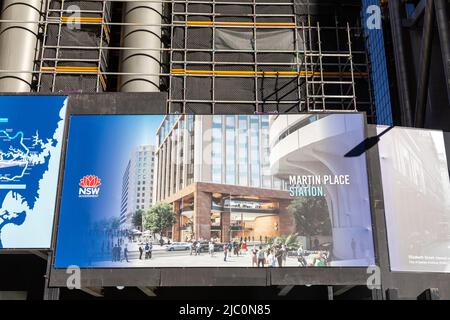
[[31, 133], [214, 191]]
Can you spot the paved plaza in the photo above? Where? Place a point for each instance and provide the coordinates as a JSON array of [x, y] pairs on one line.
[[179, 259]]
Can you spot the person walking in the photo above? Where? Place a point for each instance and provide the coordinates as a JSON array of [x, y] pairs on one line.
[[140, 252], [300, 256], [271, 261], [230, 248], [147, 250], [279, 256], [197, 248], [285, 253], [119, 253], [150, 249], [254, 252], [114, 254], [225, 252], [261, 257], [193, 247], [125, 253], [353, 244], [211, 248]]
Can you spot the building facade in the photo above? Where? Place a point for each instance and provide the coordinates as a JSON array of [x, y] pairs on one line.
[[215, 171], [236, 182], [137, 184]]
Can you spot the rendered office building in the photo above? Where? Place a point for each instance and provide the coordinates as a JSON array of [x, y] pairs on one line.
[[215, 171], [137, 184], [229, 177]]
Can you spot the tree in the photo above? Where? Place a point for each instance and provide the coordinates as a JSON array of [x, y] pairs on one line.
[[311, 216], [114, 223], [137, 219], [290, 241], [159, 218]]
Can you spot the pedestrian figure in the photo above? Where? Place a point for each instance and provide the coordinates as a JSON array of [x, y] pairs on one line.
[[279, 256], [353, 244], [261, 257], [254, 252], [147, 251], [125, 253], [300, 257], [193, 247], [225, 252], [197, 251], [140, 252], [211, 248]]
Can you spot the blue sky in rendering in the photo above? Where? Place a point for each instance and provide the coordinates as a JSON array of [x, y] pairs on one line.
[[97, 145]]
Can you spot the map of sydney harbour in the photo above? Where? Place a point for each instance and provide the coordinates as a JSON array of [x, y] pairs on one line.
[[31, 131]]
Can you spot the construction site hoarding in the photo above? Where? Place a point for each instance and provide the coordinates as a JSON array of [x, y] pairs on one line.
[[416, 189], [154, 191]]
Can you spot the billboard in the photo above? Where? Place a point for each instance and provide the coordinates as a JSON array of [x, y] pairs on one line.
[[31, 130], [416, 189], [214, 191]]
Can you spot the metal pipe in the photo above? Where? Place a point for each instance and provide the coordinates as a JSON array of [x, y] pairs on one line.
[[444, 35], [400, 62], [425, 58], [18, 43], [141, 61]]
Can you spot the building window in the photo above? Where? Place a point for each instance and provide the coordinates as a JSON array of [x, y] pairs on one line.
[[243, 150], [216, 157], [230, 150], [254, 152]]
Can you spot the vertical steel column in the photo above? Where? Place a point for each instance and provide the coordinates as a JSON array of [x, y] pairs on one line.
[[400, 62], [425, 58], [442, 18], [18, 43], [136, 34]]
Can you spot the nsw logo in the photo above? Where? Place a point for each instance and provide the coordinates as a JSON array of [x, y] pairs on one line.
[[89, 187]]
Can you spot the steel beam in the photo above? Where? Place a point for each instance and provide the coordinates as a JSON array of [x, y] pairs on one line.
[[400, 63], [149, 291], [412, 20], [442, 17], [95, 292], [424, 72]]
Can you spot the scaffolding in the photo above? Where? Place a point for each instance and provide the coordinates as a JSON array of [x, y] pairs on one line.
[[216, 56], [72, 55], [261, 56]]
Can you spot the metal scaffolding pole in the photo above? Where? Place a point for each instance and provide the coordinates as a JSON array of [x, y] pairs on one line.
[[442, 18], [400, 62], [425, 58]]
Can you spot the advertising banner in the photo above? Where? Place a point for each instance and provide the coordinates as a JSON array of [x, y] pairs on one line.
[[416, 189], [31, 130], [215, 191]]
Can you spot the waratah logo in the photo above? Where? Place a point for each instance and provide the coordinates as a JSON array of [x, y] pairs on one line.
[[90, 187]]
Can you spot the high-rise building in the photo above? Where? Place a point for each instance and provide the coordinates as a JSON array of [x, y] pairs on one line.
[[137, 184], [228, 176], [208, 165]]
